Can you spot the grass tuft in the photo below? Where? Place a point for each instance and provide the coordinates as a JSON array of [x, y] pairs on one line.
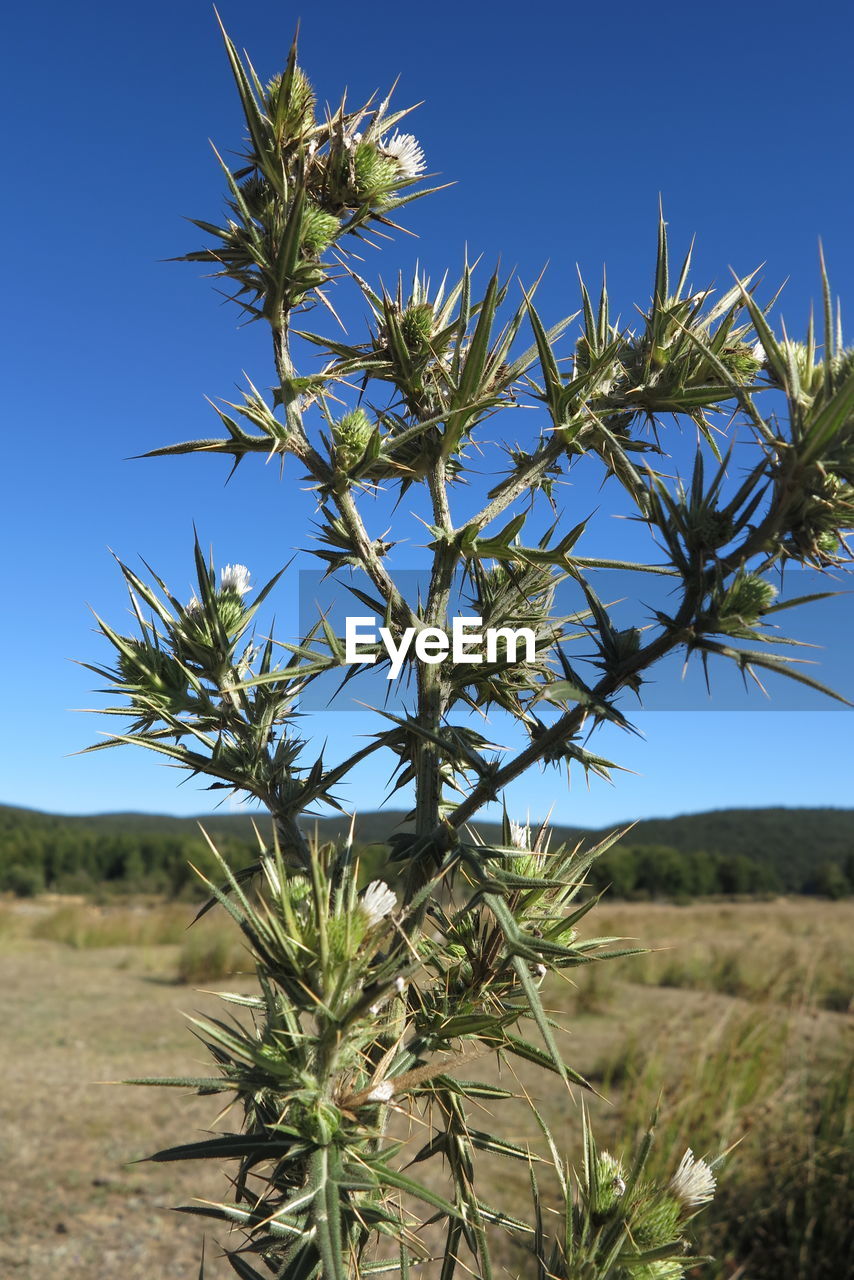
[[207, 956]]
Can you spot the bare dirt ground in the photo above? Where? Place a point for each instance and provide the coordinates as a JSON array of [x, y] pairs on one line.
[[72, 1203]]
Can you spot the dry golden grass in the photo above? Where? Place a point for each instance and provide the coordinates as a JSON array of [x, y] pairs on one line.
[[103, 1004], [790, 951], [91, 994]]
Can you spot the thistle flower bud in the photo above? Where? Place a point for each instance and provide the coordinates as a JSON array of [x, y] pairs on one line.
[[708, 529], [743, 603], [318, 230], [742, 361], [351, 435], [192, 631], [825, 511], [296, 115], [231, 611], [151, 669], [417, 325], [609, 1182], [827, 544], [374, 173], [258, 196], [657, 1222], [233, 586], [355, 174]]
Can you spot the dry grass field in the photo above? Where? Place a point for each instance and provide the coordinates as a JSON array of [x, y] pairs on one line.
[[739, 1021]]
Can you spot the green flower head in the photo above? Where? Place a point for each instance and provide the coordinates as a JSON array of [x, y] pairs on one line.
[[351, 435], [293, 108], [319, 229], [610, 1182]]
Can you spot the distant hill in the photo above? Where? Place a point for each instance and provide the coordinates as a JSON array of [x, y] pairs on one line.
[[724, 850], [791, 850], [231, 824]]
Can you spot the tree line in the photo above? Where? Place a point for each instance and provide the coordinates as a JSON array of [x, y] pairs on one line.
[[767, 851], [77, 860], [661, 871]]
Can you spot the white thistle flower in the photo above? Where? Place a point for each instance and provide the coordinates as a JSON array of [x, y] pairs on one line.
[[520, 836], [758, 352], [377, 901], [382, 1093], [540, 970], [406, 152], [235, 577], [693, 1182], [194, 605]]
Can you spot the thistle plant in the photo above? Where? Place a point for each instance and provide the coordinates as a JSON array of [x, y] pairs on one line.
[[378, 993]]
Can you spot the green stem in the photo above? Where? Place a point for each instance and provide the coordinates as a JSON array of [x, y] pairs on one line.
[[519, 483], [432, 691]]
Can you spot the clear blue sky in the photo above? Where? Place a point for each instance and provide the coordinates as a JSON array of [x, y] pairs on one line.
[[560, 125]]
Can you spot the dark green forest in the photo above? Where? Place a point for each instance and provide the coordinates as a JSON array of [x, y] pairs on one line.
[[725, 851]]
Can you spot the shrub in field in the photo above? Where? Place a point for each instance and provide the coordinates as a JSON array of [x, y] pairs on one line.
[[207, 957], [84, 926], [23, 881], [378, 999]]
